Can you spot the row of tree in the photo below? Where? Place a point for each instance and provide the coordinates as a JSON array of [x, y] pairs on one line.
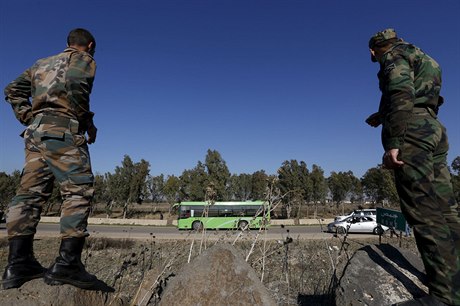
[[296, 184]]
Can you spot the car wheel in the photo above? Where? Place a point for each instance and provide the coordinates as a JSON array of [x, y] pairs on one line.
[[242, 225], [341, 230], [378, 230], [197, 225]]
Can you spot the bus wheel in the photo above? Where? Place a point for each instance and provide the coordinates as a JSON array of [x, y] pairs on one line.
[[197, 225], [242, 225]]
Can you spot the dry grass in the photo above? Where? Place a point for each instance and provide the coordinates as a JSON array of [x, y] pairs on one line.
[[297, 272]]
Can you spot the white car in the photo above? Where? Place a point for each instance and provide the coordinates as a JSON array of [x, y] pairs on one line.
[[357, 224], [361, 212]]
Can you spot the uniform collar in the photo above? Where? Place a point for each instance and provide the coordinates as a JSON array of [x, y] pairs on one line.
[[70, 49], [396, 44]]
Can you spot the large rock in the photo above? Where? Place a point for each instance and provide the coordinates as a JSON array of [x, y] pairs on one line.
[[219, 276], [381, 275], [37, 293]]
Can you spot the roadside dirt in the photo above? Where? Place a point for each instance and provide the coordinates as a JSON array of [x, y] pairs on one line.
[[296, 272]]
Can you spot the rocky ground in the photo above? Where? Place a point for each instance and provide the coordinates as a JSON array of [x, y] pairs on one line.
[[296, 272]]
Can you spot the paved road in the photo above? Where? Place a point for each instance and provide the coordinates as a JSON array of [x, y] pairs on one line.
[[147, 232]]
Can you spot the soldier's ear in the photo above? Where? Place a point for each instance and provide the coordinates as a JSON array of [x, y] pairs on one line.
[[91, 49], [373, 58]]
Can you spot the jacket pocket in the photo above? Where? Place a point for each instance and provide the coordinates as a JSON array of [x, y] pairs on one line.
[[58, 135], [81, 179]]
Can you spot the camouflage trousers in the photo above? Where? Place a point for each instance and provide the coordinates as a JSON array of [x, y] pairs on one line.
[[428, 203], [54, 151]]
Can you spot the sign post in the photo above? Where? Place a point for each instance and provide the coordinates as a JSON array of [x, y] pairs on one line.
[[394, 219]]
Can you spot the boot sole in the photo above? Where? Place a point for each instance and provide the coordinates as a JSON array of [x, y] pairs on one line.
[[53, 281], [19, 281]]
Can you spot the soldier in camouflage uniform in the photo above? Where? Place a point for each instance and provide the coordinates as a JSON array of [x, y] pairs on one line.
[[57, 119], [416, 146]]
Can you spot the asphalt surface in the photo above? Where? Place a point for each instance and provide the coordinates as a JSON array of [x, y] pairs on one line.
[[172, 233]]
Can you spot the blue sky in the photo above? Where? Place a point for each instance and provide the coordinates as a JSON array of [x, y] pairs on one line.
[[259, 81]]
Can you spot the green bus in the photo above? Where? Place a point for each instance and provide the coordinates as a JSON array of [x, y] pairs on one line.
[[223, 215]]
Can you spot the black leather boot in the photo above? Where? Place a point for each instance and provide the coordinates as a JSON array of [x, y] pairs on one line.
[[68, 268], [22, 265]]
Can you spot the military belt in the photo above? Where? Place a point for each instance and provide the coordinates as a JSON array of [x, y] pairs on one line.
[[72, 124], [58, 121]]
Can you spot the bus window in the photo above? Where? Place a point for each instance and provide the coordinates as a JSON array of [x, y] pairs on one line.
[[198, 212], [225, 212], [184, 212], [238, 211], [213, 211], [251, 211]]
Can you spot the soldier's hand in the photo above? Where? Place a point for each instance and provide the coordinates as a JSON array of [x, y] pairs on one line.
[[374, 120], [92, 133], [390, 159]]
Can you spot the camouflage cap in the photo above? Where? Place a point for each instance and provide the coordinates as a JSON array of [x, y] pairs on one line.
[[382, 36]]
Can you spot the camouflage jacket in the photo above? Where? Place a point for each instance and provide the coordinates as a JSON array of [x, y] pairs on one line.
[[59, 85], [408, 78]]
